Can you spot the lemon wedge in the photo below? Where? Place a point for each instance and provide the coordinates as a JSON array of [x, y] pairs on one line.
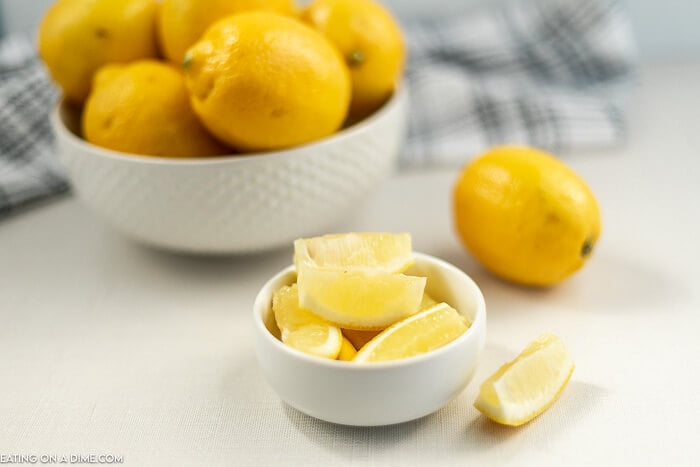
[[378, 252], [422, 332], [353, 280], [359, 299], [358, 338], [302, 329], [426, 302], [524, 388], [347, 350]]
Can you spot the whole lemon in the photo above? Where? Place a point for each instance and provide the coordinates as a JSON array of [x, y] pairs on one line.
[[143, 108], [525, 215], [76, 37], [182, 22], [370, 40], [261, 81]]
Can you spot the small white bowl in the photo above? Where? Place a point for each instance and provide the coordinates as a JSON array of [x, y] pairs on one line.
[[233, 204], [382, 393]]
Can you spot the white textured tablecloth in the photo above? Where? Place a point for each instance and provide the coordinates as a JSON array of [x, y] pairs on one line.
[[111, 348]]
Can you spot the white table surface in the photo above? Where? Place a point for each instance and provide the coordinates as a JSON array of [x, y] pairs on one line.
[[110, 347]]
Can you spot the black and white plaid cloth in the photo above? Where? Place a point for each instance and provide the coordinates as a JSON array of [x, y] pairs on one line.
[[29, 169], [548, 73]]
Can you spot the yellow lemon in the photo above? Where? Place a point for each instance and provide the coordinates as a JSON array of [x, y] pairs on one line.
[[420, 333], [525, 215], [347, 350], [76, 37], [385, 252], [261, 81], [182, 22], [303, 330], [143, 108], [370, 40], [524, 388], [359, 299], [358, 338]]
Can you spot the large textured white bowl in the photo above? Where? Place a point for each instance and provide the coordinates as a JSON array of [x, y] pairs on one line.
[[233, 204], [383, 393]]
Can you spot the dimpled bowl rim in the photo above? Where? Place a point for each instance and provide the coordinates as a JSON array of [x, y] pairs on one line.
[[368, 149], [398, 98]]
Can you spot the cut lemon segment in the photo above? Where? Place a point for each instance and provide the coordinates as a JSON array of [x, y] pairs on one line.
[[347, 350], [424, 331], [379, 252], [359, 338], [301, 329], [426, 302], [359, 300], [524, 388]]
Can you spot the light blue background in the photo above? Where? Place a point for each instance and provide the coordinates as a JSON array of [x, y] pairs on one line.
[[664, 28]]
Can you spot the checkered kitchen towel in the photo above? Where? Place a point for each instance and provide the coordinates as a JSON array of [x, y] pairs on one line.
[[29, 169], [549, 73]]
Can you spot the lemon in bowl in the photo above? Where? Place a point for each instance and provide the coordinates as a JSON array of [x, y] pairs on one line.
[[143, 108], [242, 149], [77, 37], [180, 23], [261, 81], [371, 43], [379, 386]]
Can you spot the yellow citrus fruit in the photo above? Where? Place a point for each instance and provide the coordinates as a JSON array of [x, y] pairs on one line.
[[302, 329], [370, 40], [359, 338], [143, 108], [359, 299], [261, 81], [76, 37], [182, 22], [347, 350], [524, 388], [422, 332], [385, 252], [525, 215], [427, 302]]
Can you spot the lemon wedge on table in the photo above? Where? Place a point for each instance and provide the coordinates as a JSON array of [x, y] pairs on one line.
[[524, 388], [354, 280], [303, 330], [422, 332]]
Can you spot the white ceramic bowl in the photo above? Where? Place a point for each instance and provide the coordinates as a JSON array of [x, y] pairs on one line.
[[383, 393], [233, 204]]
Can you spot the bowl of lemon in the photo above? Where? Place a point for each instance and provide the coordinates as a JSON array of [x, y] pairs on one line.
[[380, 336], [225, 127]]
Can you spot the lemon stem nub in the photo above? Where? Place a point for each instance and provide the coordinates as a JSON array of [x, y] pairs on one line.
[[587, 248], [356, 58], [187, 61]]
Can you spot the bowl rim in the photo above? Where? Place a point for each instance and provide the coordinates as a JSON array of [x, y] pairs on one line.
[[478, 323], [397, 97]]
